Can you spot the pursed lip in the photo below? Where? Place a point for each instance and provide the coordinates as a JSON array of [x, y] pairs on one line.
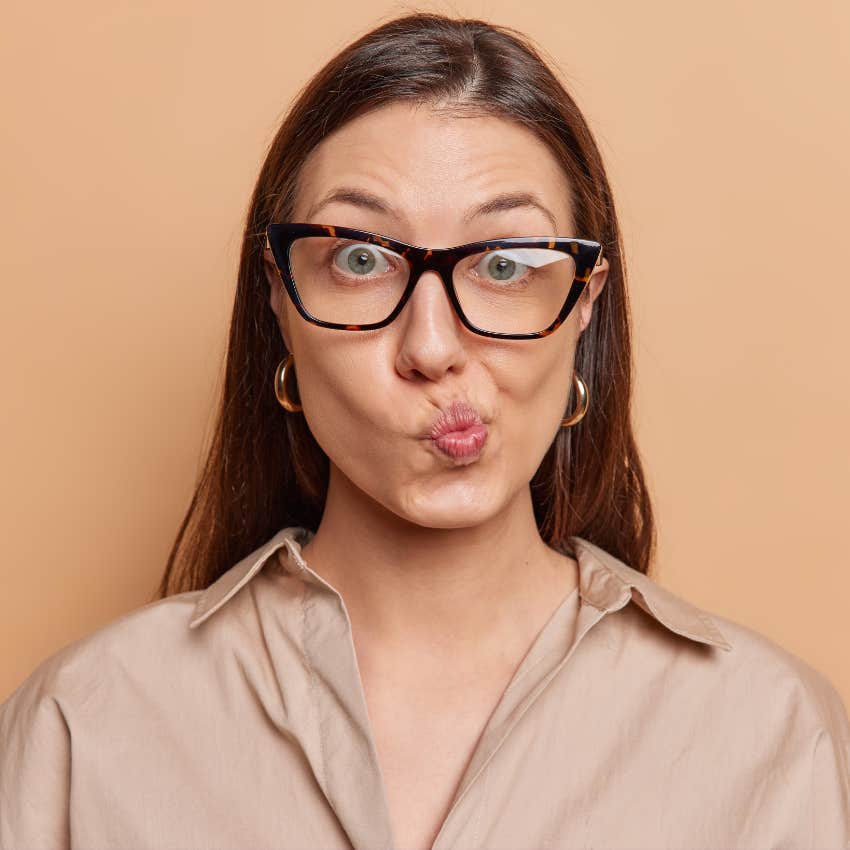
[[458, 416]]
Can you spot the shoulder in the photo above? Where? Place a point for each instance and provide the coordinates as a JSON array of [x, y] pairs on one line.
[[774, 677], [750, 701], [789, 717], [737, 669], [131, 645], [153, 652], [93, 689]]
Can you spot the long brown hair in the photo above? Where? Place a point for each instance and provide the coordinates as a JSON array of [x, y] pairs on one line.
[[264, 470]]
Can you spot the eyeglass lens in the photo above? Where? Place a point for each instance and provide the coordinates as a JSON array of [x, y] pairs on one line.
[[511, 290]]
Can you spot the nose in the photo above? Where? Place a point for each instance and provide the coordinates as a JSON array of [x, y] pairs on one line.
[[431, 335]]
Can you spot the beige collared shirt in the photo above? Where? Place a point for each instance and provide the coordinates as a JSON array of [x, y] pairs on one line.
[[234, 718]]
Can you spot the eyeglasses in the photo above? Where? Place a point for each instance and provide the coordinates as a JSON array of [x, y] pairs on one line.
[[355, 280]]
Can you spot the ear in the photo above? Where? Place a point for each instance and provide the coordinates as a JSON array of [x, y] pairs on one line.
[[277, 295], [591, 293]]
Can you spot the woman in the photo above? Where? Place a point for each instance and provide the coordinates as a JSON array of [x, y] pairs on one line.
[[410, 606]]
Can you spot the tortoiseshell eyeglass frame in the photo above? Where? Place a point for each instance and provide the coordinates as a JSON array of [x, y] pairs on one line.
[[586, 252]]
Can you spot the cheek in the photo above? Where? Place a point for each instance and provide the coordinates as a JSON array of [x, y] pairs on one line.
[[346, 405], [534, 394]]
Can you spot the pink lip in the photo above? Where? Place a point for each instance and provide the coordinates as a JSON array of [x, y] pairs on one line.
[[459, 432]]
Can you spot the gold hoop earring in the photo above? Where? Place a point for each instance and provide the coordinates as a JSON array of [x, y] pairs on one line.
[[583, 402], [280, 384]]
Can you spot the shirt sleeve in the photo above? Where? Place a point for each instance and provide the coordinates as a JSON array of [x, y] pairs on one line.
[[830, 792], [35, 769]]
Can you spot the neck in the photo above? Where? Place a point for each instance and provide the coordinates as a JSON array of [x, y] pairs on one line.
[[465, 592]]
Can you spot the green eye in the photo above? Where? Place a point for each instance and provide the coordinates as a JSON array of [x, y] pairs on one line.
[[499, 266], [361, 259]]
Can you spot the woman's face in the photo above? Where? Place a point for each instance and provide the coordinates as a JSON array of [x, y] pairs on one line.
[[371, 398]]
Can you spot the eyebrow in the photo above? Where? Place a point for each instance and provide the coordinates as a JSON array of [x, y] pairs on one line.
[[499, 203]]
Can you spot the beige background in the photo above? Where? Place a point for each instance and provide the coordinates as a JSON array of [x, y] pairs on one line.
[[131, 137]]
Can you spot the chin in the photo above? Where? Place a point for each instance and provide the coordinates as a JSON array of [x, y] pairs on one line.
[[451, 507]]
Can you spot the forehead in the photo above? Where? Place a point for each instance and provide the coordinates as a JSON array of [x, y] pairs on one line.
[[431, 168]]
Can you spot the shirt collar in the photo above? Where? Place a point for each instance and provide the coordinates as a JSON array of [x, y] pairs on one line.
[[608, 583], [604, 581]]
